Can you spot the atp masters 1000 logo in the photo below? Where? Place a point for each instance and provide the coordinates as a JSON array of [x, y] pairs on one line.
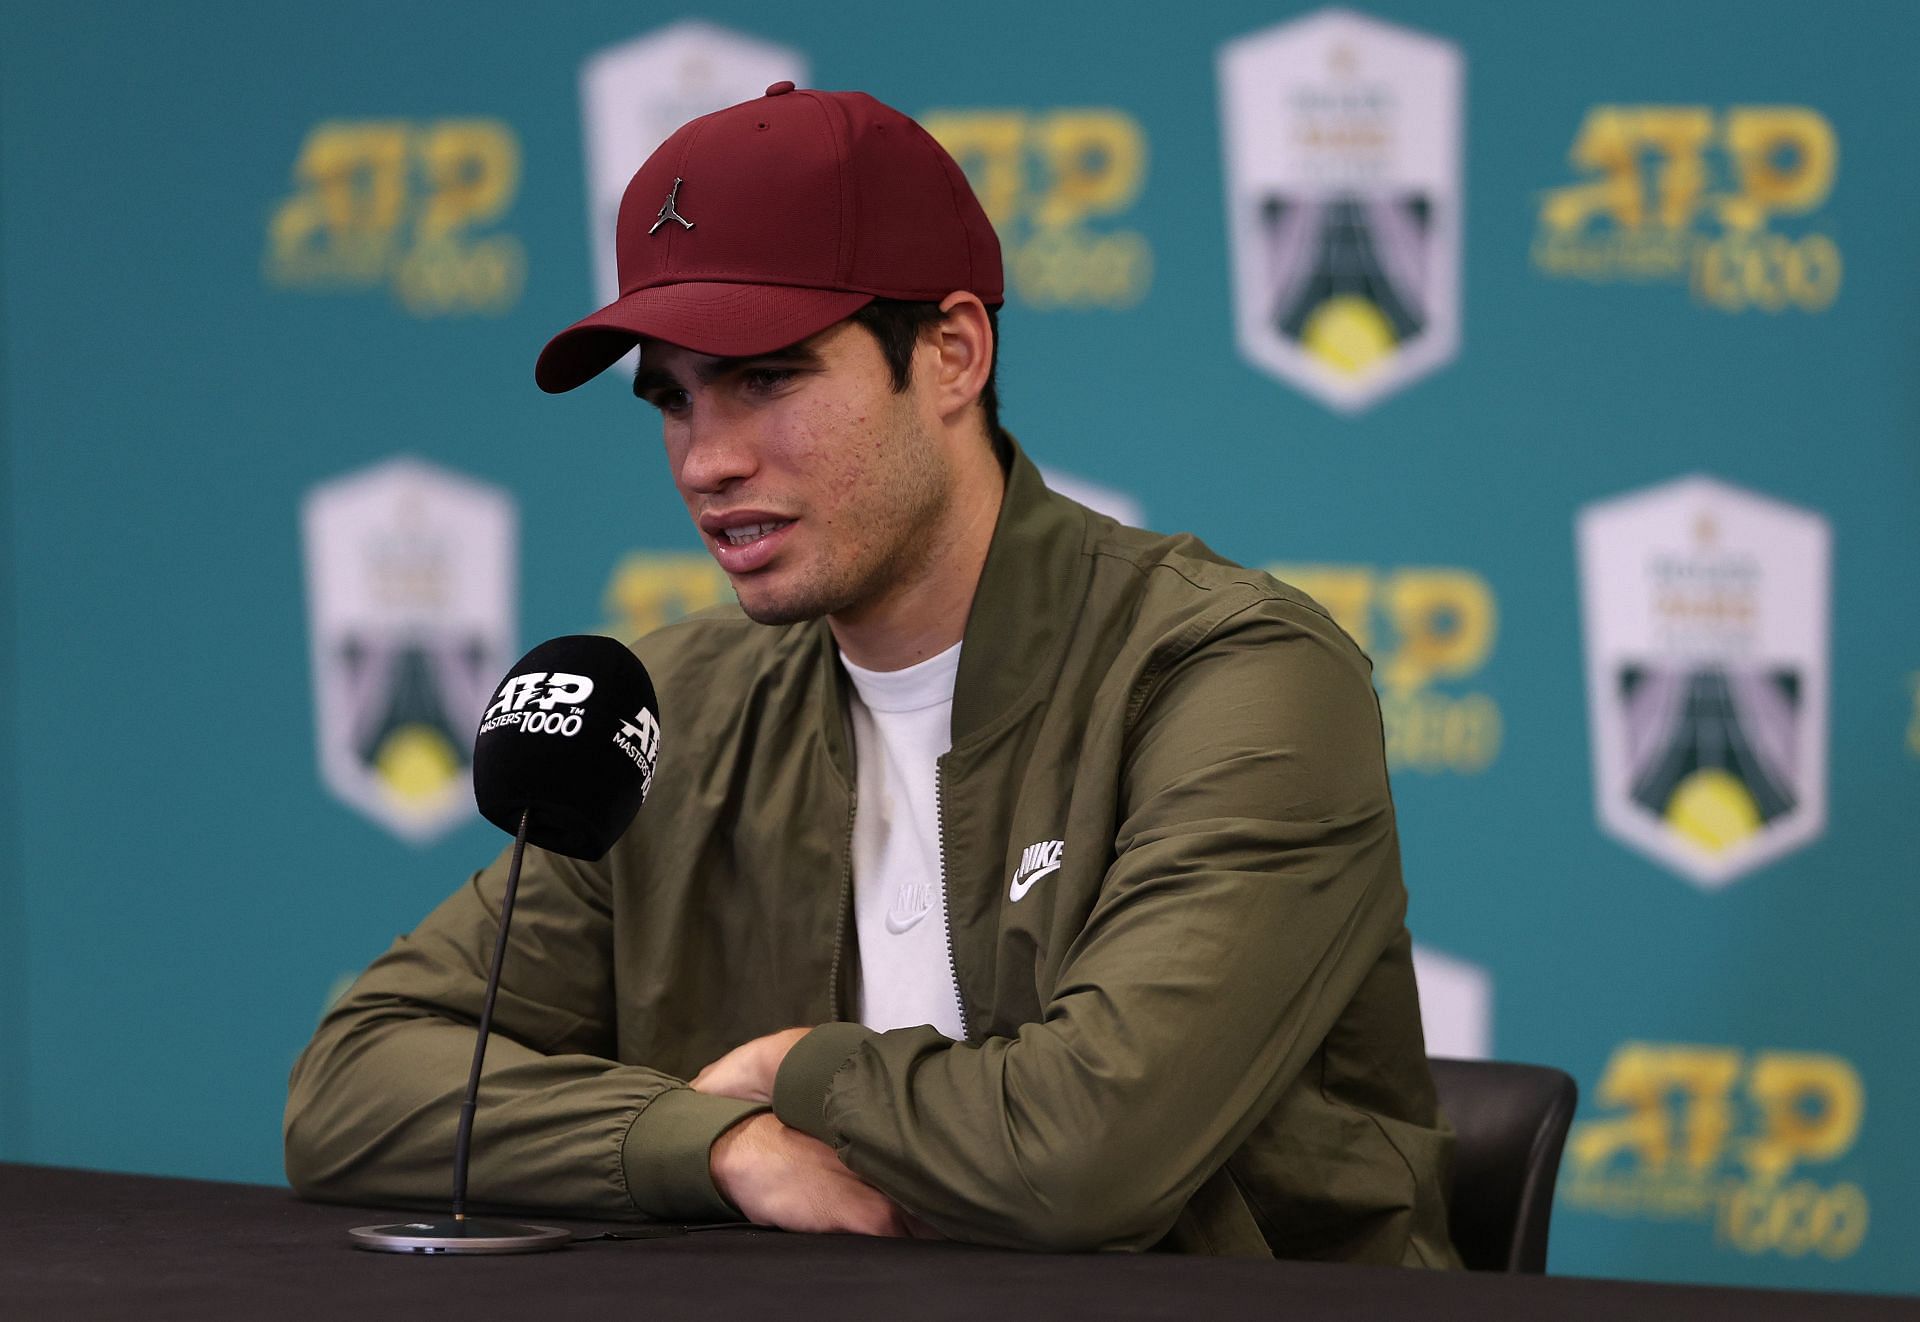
[[1057, 185], [1429, 630], [1693, 194], [1716, 1135], [391, 203]]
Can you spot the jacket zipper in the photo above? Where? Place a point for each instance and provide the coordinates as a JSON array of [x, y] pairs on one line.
[[842, 917], [946, 909]]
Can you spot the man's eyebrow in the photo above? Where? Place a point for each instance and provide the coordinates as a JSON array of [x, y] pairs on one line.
[[647, 379]]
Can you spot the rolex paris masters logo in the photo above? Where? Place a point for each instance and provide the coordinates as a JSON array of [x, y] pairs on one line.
[[410, 601], [1706, 617], [1343, 202]]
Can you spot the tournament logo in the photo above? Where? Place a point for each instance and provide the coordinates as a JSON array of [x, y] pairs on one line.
[[1705, 611], [1456, 1005], [639, 739], [634, 95], [1717, 200], [410, 597], [540, 702], [1342, 143], [1059, 187], [389, 203], [1717, 1136], [1430, 630]]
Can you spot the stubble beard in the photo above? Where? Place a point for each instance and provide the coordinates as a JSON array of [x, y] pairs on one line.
[[905, 509]]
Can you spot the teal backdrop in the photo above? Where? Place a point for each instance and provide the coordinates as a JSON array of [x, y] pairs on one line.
[[194, 335]]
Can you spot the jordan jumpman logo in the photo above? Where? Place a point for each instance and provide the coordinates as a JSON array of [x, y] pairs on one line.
[[668, 211]]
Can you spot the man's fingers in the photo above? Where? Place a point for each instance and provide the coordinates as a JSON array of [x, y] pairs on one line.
[[724, 1078]]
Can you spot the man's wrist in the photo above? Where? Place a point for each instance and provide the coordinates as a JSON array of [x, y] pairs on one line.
[[666, 1155], [726, 1158]]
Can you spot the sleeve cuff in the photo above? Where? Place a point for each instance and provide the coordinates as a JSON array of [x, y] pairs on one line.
[[806, 1076], [665, 1155]]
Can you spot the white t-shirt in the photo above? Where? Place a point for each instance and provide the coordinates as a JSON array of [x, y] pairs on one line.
[[902, 722]]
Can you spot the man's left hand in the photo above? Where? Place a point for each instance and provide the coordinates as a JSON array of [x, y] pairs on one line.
[[747, 1071]]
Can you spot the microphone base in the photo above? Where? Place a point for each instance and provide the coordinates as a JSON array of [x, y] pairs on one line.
[[443, 1234]]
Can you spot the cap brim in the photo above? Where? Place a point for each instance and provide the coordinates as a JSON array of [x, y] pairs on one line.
[[726, 320]]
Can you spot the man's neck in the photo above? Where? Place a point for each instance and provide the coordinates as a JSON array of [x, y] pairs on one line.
[[926, 614]]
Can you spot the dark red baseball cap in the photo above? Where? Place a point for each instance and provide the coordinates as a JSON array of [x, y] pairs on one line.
[[759, 225]]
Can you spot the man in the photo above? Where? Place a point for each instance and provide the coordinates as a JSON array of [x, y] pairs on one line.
[[1009, 875]]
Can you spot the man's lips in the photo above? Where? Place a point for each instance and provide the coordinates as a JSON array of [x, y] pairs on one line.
[[745, 540]]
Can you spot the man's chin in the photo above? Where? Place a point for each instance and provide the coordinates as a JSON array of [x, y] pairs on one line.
[[763, 607]]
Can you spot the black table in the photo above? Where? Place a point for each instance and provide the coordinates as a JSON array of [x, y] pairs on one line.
[[84, 1244]]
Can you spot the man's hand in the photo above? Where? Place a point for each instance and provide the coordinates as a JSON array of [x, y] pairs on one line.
[[747, 1071], [781, 1177]]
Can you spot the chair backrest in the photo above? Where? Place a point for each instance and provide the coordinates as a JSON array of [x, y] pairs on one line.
[[1510, 1121]]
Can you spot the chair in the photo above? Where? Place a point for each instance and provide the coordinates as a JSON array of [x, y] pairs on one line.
[[1511, 1122]]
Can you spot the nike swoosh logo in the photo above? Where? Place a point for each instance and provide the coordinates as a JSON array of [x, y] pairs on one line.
[[899, 925], [1019, 889]]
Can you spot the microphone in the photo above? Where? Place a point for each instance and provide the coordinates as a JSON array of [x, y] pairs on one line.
[[563, 759]]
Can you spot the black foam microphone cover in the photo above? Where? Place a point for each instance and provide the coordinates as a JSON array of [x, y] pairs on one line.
[[572, 737]]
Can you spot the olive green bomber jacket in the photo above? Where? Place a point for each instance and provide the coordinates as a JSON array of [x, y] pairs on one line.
[[1200, 1031]]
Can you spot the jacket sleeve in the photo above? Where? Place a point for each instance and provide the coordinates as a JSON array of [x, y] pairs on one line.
[[374, 1100], [1256, 881]]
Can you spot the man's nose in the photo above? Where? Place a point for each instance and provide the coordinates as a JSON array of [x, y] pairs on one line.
[[719, 452]]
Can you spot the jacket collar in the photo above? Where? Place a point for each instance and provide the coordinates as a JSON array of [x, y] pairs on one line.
[[1029, 595]]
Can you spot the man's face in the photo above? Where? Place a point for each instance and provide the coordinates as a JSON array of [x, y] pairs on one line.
[[817, 488]]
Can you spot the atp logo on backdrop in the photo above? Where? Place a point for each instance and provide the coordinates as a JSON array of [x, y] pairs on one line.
[[1706, 619], [1342, 144], [1717, 1135], [1717, 199], [1430, 630], [634, 95], [1058, 185], [410, 600], [403, 205]]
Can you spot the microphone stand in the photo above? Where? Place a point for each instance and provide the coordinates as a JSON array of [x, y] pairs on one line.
[[459, 1233]]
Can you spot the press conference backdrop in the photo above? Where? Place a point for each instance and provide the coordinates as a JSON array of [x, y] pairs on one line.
[[1565, 353]]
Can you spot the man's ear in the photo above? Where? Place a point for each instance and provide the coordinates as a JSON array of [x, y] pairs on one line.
[[962, 353]]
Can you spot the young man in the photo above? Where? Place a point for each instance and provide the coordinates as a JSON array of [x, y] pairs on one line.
[[1009, 875]]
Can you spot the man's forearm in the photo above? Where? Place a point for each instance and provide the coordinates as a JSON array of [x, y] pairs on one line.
[[374, 1101], [374, 1104]]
